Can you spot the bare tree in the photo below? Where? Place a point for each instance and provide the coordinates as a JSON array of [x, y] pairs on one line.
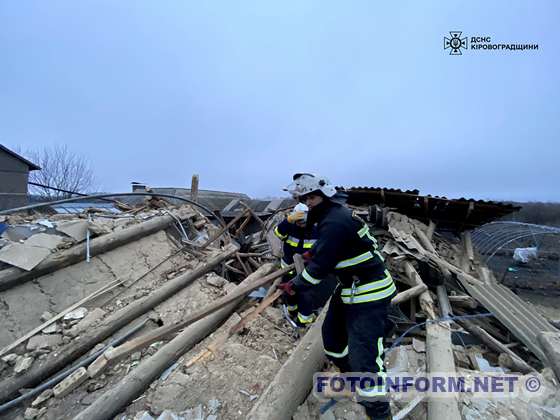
[[62, 169]]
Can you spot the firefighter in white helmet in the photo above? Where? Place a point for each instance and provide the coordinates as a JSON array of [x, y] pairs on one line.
[[354, 326]]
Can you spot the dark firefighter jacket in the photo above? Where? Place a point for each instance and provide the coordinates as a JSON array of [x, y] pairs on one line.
[[345, 247]]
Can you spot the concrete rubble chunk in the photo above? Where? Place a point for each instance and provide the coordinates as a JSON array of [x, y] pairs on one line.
[[44, 341], [23, 363], [214, 280], [34, 413], [78, 313], [23, 256], [89, 320], [45, 316], [143, 415], [168, 415], [44, 396], [10, 358], [70, 383], [51, 329]]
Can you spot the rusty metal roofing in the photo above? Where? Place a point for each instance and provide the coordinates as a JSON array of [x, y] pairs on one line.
[[449, 214]]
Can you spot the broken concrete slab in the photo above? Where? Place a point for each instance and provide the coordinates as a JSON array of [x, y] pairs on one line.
[[76, 229], [10, 359], [44, 240], [70, 383], [23, 256], [44, 342]]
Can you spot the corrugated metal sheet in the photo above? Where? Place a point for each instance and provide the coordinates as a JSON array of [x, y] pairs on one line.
[[449, 214], [520, 318]]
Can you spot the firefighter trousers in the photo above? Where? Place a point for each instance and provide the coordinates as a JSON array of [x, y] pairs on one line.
[[353, 340]]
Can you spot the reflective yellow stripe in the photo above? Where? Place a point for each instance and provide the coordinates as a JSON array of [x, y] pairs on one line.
[[292, 308], [305, 319], [277, 233], [292, 241], [376, 391], [310, 278], [370, 297], [379, 390], [379, 360], [308, 243], [365, 232], [344, 353], [369, 287], [356, 260]]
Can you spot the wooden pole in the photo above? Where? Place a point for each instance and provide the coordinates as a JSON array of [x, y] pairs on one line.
[[56, 361], [409, 294], [194, 188]]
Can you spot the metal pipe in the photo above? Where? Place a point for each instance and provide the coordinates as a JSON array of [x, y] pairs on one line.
[[100, 196]]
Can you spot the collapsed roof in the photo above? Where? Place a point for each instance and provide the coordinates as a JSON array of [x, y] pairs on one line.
[[159, 311]]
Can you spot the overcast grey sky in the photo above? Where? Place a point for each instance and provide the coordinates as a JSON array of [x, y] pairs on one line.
[[247, 93]]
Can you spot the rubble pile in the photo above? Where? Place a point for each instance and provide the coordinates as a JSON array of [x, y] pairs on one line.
[[162, 313]]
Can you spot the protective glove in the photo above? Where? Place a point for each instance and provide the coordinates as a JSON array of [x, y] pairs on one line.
[[296, 216], [288, 287]]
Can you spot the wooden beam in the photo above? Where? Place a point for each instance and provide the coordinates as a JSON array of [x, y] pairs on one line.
[[194, 188]]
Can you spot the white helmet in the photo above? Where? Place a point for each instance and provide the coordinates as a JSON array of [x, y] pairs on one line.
[[307, 183]]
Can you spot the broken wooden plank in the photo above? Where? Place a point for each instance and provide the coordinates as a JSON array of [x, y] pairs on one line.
[[425, 299], [409, 294]]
